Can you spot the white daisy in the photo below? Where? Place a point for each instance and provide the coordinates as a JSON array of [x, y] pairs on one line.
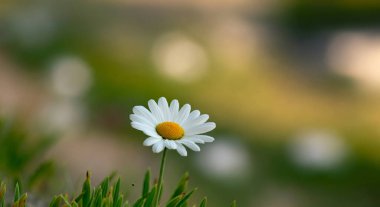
[[171, 127]]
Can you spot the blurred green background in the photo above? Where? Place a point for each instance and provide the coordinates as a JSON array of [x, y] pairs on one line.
[[294, 87]]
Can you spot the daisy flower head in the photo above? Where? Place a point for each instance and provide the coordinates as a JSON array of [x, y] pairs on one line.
[[171, 127]]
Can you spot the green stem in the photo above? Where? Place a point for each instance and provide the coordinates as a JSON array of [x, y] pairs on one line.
[[160, 178]]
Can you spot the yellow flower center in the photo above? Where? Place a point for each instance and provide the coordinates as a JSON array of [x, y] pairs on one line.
[[170, 130]]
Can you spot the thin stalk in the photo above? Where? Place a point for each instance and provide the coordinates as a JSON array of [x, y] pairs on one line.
[[160, 178]]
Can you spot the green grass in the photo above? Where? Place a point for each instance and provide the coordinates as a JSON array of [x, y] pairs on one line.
[[108, 194]]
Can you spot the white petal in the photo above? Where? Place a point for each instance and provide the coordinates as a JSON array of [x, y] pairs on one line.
[[145, 128], [200, 129], [202, 118], [205, 138], [174, 107], [194, 114], [190, 144], [158, 146], [194, 139], [181, 150], [140, 119], [140, 126], [151, 141], [183, 114], [170, 144], [142, 111], [163, 104], [156, 111], [195, 122]]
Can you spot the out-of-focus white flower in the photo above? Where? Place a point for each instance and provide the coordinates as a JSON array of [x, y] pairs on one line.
[[356, 55], [171, 127], [70, 76], [62, 116], [236, 42], [178, 57], [320, 150], [225, 160]]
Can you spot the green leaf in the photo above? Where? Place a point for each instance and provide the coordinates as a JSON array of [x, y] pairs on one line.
[[182, 185], [105, 186], [74, 204], [22, 201], [160, 192], [17, 193], [119, 202], [97, 198], [3, 190], [86, 190], [150, 197], [106, 202], [185, 198], [174, 201], [146, 184], [204, 202], [54, 202], [116, 192], [157, 196], [77, 199], [65, 200], [139, 202], [233, 203], [43, 171]]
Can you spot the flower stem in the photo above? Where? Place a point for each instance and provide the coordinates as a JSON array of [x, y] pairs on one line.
[[160, 178]]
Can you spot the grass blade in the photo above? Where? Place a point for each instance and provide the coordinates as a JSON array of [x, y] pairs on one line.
[[3, 190], [105, 186], [79, 198], [22, 201], [119, 202], [204, 202], [65, 200], [146, 184], [116, 192], [150, 197], [139, 202], [86, 190], [74, 204], [174, 201], [17, 193], [97, 198], [182, 185], [54, 202], [185, 198]]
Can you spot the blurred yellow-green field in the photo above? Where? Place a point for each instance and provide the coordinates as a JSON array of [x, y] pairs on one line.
[[293, 87]]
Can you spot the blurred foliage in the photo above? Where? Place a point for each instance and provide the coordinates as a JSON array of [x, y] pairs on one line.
[[358, 178], [306, 16], [20, 157]]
